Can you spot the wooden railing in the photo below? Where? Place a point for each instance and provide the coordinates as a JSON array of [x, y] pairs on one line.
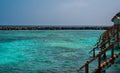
[[105, 39]]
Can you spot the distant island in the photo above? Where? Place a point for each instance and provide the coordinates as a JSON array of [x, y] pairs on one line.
[[54, 27]]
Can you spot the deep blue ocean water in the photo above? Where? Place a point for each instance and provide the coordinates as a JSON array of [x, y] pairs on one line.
[[47, 51]]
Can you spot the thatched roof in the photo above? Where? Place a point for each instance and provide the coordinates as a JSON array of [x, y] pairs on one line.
[[116, 16]]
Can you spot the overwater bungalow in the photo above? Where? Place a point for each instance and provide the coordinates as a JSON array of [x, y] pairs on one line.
[[116, 19], [109, 40]]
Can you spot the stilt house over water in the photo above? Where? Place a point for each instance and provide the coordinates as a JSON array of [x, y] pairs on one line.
[[109, 40], [116, 19]]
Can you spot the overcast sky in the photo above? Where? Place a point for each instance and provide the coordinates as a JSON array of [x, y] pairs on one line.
[[58, 12]]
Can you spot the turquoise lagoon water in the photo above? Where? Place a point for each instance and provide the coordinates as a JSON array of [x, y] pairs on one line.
[[46, 51]]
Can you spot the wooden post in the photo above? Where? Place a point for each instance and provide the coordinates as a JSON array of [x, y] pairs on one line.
[[112, 52], [94, 53], [99, 62], [104, 55], [87, 67], [119, 34], [109, 38], [117, 28]]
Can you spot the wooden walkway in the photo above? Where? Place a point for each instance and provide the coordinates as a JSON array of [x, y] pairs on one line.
[[109, 40]]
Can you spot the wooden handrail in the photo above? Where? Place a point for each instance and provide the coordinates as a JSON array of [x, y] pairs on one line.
[[102, 52], [103, 43], [104, 39], [111, 60], [105, 34]]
